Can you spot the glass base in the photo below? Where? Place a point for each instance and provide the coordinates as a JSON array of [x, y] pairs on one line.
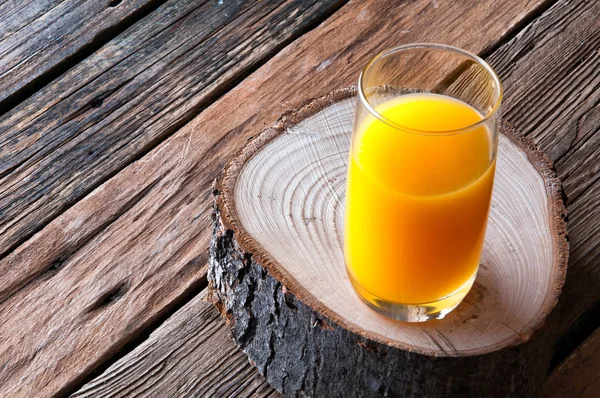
[[413, 312]]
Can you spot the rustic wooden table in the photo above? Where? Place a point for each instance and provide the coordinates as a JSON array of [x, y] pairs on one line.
[[116, 116]]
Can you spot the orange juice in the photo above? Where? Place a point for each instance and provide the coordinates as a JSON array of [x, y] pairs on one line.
[[417, 201]]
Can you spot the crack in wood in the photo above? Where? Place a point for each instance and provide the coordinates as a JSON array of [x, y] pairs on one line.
[[109, 297], [97, 101]]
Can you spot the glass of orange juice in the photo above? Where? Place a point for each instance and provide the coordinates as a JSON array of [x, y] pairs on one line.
[[420, 178]]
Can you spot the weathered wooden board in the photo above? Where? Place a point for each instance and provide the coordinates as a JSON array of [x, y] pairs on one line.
[[201, 361], [97, 295], [83, 302], [548, 30], [43, 37], [579, 374], [551, 73], [119, 102], [34, 265]]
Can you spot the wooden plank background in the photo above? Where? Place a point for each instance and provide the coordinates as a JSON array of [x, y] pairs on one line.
[[142, 262], [95, 253], [562, 26], [120, 102]]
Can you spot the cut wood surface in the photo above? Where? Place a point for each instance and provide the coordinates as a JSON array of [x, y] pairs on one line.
[[38, 36], [201, 361], [119, 102], [136, 267], [277, 271], [284, 201], [579, 374]]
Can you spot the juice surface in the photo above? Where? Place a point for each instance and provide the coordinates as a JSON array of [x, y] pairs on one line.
[[417, 204]]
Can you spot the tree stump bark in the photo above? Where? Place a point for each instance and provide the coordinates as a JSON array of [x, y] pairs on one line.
[[277, 273]]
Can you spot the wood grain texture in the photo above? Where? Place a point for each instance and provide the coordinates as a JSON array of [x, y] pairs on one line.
[[161, 224], [276, 268], [119, 102], [201, 361], [120, 281], [551, 73], [579, 374], [546, 30], [36, 37], [87, 300]]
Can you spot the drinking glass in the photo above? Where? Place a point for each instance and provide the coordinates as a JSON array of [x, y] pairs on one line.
[[420, 177]]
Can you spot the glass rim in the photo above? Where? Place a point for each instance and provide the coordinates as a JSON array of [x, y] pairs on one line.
[[436, 46]]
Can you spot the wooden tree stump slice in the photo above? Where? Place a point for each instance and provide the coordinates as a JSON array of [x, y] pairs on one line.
[[278, 276]]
